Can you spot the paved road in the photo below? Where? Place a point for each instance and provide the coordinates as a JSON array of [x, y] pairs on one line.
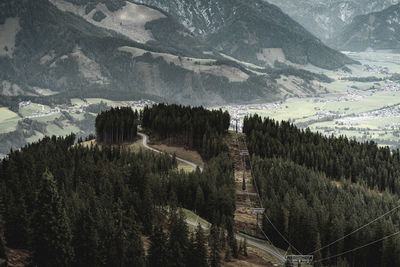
[[250, 240], [256, 243], [144, 141]]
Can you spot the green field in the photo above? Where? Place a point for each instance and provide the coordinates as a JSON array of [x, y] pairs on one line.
[[48, 118], [53, 129], [8, 120], [31, 109], [192, 217], [77, 101]]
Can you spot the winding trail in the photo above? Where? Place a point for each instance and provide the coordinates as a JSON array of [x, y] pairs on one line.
[[144, 142], [250, 240]]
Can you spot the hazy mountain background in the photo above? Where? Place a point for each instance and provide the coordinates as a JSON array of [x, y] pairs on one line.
[[248, 29], [377, 30], [326, 19]]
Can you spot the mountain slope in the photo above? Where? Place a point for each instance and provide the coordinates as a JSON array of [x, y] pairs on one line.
[[327, 19], [248, 30], [378, 30], [59, 48]]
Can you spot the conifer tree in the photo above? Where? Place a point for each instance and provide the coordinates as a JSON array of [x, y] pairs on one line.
[[2, 240], [178, 238], [158, 252], [215, 257], [52, 240], [200, 249], [317, 255]]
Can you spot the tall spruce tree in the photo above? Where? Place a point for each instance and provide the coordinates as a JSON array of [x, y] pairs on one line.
[[200, 249], [52, 240], [158, 252], [2, 240], [214, 243], [178, 238]]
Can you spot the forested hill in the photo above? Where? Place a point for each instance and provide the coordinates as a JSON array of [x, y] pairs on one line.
[[337, 157], [317, 190], [73, 205], [196, 128]]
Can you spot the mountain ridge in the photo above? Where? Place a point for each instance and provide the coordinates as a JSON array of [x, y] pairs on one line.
[[377, 30], [327, 19], [244, 25]]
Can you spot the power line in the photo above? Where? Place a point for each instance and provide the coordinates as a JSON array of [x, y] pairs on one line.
[[248, 196], [358, 229], [355, 249], [266, 216]]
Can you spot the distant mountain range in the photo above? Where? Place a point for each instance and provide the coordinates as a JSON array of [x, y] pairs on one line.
[[202, 52], [247, 30], [377, 30], [327, 18]]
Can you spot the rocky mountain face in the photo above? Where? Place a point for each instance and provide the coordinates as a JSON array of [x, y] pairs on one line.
[[248, 30], [326, 19], [191, 52], [377, 30], [134, 52]]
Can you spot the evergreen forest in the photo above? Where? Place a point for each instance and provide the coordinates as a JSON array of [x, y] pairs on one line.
[[71, 204], [195, 127], [317, 190]]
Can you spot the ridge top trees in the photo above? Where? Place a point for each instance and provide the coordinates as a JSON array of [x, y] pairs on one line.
[[116, 126]]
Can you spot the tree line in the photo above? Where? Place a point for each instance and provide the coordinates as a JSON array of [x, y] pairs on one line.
[[292, 170], [116, 126], [194, 127], [338, 157]]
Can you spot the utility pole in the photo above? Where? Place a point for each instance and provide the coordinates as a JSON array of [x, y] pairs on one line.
[[257, 211], [236, 119], [299, 259], [244, 153]]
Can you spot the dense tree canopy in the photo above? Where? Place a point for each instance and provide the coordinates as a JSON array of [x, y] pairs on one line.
[[195, 127], [87, 206], [364, 163], [294, 170], [116, 126]]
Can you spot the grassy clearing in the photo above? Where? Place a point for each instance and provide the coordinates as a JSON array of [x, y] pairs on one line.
[[185, 167], [194, 218], [32, 108], [78, 117], [77, 101], [35, 137], [8, 120], [190, 155], [48, 118], [53, 129], [99, 100]]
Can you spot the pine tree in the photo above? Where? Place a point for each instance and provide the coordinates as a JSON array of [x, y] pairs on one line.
[[178, 238], [233, 243], [200, 249], [2, 240], [52, 237], [215, 258], [317, 255], [158, 251], [199, 200]]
